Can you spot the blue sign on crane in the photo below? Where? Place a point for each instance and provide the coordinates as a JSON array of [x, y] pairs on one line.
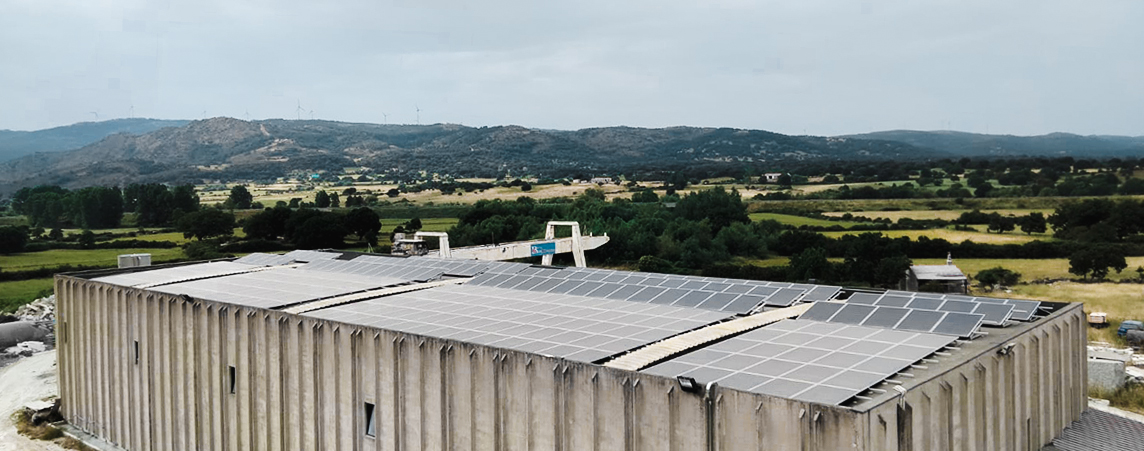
[[543, 249]]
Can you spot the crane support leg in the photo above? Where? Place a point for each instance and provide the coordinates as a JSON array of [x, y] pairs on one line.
[[577, 244]]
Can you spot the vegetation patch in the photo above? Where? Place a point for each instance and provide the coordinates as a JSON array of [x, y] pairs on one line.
[[16, 293], [1129, 397]]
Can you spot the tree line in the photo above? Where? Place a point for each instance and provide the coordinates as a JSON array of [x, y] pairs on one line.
[[103, 207]]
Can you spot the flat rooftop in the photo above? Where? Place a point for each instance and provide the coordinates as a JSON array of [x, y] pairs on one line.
[[846, 343]]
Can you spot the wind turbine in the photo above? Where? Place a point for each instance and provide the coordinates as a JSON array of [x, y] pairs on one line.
[[299, 110], [385, 118], [311, 115], [132, 113], [96, 113], [418, 114]]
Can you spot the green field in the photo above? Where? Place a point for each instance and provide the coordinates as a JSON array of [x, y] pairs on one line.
[[954, 236], [1121, 301], [16, 293], [1032, 269], [76, 257], [800, 220], [947, 215]]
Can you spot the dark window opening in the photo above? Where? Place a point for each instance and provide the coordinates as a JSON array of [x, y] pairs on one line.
[[233, 380], [370, 429], [136, 352]]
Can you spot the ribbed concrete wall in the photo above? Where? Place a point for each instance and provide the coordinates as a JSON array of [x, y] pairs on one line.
[[1017, 401], [302, 384]]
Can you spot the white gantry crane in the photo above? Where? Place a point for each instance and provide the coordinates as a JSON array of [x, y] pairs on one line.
[[545, 249]]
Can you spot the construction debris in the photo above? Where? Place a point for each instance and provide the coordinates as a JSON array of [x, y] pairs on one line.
[[25, 349], [43, 309]]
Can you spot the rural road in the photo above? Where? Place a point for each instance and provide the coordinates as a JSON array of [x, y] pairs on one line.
[[26, 380]]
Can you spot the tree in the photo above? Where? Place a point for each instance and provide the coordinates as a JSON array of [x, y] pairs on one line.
[[984, 190], [324, 230], [322, 199], [810, 264], [268, 224], [525, 186], [1001, 224], [240, 198], [785, 181], [56, 234], [645, 196], [205, 224], [13, 239], [1033, 223], [87, 239], [716, 205], [335, 202], [365, 223], [393, 192], [1096, 261], [998, 276]]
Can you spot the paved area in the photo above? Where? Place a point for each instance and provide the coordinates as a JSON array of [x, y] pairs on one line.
[[26, 380]]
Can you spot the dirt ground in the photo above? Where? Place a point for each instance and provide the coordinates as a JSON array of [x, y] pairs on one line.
[[26, 380]]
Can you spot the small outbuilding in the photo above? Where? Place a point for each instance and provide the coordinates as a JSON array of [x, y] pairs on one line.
[[947, 276]]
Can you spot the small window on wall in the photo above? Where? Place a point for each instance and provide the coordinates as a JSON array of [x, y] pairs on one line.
[[370, 428], [136, 352], [233, 379]]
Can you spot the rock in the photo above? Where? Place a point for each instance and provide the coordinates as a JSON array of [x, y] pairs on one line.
[[35, 346]]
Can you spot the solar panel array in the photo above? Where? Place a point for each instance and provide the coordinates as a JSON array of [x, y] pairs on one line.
[[897, 318], [164, 275], [561, 325], [805, 360], [303, 256], [993, 308], [276, 287], [737, 296]]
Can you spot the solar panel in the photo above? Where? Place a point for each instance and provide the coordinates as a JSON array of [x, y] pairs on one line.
[[925, 303], [784, 297], [863, 298], [893, 301], [852, 314], [995, 314], [958, 306], [572, 327], [887, 317], [821, 293], [805, 360], [821, 311], [920, 320], [959, 324]]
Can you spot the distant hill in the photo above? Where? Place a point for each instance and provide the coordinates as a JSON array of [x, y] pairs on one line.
[[15, 144], [225, 148], [1053, 144]]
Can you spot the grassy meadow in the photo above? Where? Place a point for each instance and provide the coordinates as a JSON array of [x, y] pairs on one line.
[[13, 294], [954, 236]]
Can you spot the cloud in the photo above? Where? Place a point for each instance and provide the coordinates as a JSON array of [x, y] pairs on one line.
[[1022, 67]]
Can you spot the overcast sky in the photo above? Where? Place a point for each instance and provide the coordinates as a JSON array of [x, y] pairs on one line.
[[799, 66]]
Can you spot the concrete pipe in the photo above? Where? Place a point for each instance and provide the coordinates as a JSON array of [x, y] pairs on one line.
[[19, 331]]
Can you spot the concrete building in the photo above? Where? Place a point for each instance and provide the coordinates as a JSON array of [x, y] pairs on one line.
[[330, 350]]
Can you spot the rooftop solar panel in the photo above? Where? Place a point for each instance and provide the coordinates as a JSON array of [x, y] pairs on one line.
[[863, 298], [852, 314], [821, 311], [959, 324], [811, 365], [887, 317], [920, 320], [821, 293], [995, 314], [784, 297], [572, 327]]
